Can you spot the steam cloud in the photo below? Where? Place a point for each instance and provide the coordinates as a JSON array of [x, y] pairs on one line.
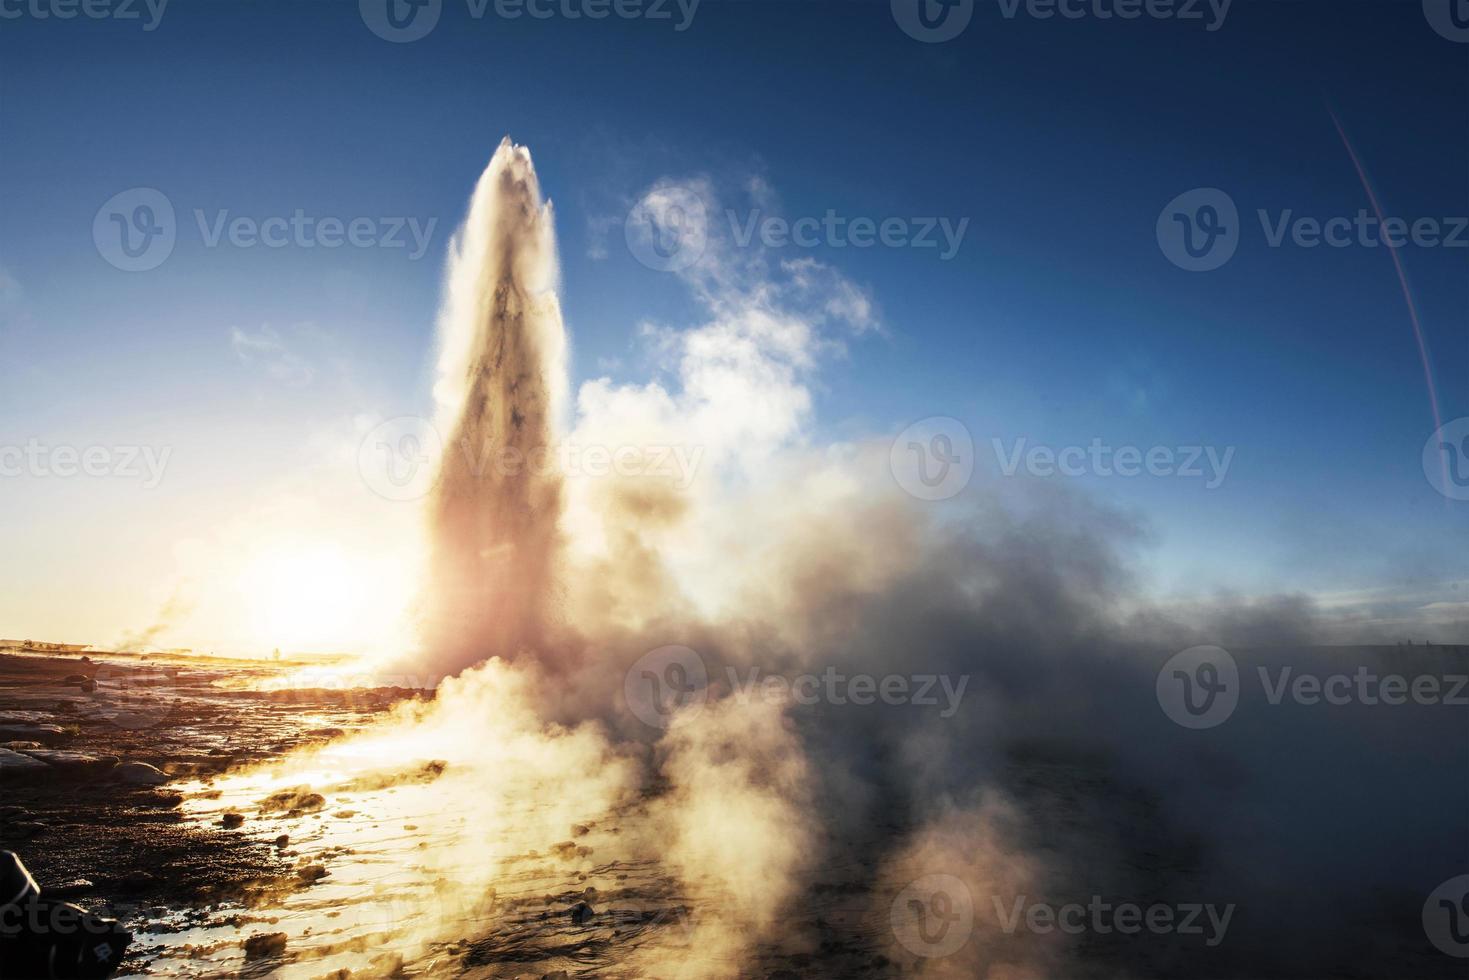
[[776, 830]]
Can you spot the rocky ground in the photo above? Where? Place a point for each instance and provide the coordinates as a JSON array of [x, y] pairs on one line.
[[134, 788], [92, 750]]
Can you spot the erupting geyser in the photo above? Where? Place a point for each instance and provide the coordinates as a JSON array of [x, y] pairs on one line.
[[501, 381]]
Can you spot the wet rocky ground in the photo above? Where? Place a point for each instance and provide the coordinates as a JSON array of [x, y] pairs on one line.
[[175, 795], [136, 788], [93, 752]]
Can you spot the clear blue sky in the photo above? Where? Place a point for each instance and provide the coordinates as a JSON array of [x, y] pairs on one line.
[[1059, 318]]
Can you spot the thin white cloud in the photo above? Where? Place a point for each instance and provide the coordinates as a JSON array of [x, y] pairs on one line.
[[267, 350]]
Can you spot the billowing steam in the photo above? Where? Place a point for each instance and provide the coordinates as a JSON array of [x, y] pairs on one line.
[[665, 721]]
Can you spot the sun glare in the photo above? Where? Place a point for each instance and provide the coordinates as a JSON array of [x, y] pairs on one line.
[[306, 599]]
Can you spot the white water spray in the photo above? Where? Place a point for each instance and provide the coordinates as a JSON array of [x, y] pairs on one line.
[[501, 384]]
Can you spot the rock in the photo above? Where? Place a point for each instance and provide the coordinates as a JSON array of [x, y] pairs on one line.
[[163, 801], [265, 945], [326, 733], [297, 801], [312, 873], [231, 820], [140, 774], [23, 829], [24, 718], [387, 965], [581, 913], [580, 830], [282, 840], [45, 734], [62, 759], [136, 881], [75, 678], [20, 746], [15, 764], [68, 890]]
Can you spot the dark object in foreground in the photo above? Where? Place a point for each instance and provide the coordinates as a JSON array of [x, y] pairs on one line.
[[46, 939]]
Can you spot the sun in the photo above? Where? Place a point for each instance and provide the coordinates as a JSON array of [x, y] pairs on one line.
[[304, 599]]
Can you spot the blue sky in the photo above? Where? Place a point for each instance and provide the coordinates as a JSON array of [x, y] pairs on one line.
[[1059, 319]]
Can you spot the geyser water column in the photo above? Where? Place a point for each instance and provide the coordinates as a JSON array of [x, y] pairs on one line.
[[501, 383]]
